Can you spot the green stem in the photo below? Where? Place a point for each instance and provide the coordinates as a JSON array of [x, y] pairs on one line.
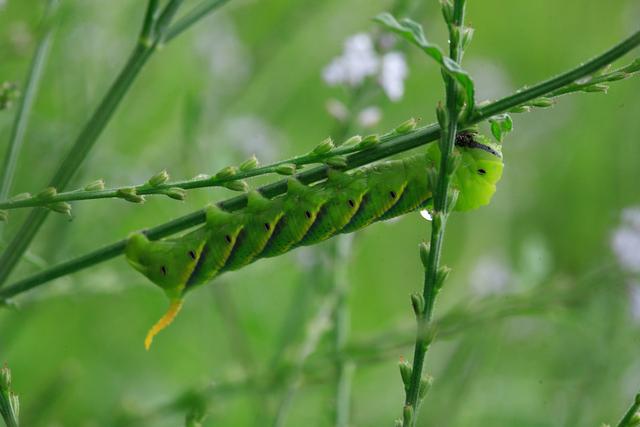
[[85, 141], [199, 12], [316, 328], [441, 212], [344, 368], [24, 107], [627, 420], [161, 189], [397, 145], [379, 347], [549, 86]]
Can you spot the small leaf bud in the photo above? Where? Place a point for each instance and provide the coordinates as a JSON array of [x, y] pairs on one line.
[[226, 172], [249, 164], [159, 178], [176, 193], [239, 185], [286, 169], [369, 141], [338, 162], [406, 126], [324, 147], [47, 193], [96, 185]]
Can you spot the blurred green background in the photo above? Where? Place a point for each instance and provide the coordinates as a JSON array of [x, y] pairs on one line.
[[540, 324]]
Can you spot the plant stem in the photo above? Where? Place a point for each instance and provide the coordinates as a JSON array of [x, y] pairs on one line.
[[344, 368], [399, 144], [379, 347], [301, 160], [441, 211], [628, 419], [316, 328], [25, 105], [87, 138], [197, 13], [161, 189]]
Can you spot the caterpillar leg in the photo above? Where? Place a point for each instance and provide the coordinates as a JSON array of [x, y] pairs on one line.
[[172, 312]]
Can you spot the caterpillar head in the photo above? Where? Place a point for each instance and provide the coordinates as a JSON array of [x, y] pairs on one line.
[[479, 171], [167, 263]]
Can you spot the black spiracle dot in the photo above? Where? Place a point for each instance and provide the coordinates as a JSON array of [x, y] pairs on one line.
[[227, 238], [163, 270], [307, 214], [192, 254], [351, 203], [392, 194], [267, 226], [482, 171]]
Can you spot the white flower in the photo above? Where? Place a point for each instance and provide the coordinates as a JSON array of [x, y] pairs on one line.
[[490, 276], [358, 61], [393, 72], [369, 117], [625, 240]]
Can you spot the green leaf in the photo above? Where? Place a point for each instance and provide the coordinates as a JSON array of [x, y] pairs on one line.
[[412, 31], [500, 126]]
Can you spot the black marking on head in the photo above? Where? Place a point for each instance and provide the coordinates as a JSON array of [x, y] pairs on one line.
[[192, 254], [227, 238], [267, 226], [351, 203], [467, 139], [307, 214], [163, 270], [392, 194], [482, 171]]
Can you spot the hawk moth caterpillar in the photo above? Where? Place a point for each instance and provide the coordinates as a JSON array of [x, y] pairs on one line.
[[305, 215]]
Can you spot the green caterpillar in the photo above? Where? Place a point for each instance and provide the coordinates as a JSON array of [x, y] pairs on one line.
[[306, 215]]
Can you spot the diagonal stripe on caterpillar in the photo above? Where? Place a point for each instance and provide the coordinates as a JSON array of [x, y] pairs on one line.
[[306, 215]]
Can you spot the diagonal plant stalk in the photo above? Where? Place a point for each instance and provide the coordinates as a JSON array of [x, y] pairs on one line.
[[444, 201], [316, 328], [26, 103], [596, 84], [218, 180], [158, 30], [632, 417], [399, 144]]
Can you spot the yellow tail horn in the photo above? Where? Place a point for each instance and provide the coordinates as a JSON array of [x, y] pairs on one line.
[[172, 312]]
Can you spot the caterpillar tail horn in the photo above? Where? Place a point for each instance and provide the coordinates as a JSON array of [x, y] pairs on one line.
[[172, 312]]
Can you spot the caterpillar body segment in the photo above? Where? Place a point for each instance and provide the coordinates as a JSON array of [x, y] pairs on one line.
[[306, 215]]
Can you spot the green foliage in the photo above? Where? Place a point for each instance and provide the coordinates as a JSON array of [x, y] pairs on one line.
[[412, 31], [268, 341]]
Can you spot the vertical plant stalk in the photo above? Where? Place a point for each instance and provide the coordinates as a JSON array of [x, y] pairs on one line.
[[442, 207], [158, 29], [9, 402], [316, 329], [344, 368], [26, 103], [402, 143]]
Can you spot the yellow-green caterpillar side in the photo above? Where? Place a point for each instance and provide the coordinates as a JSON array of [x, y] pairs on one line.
[[306, 215]]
